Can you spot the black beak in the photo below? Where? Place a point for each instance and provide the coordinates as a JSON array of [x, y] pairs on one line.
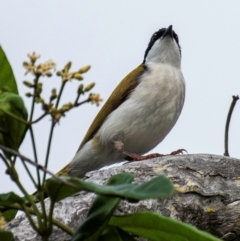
[[167, 32]]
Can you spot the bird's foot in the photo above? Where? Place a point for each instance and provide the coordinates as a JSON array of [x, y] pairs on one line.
[[179, 151], [118, 145], [136, 157]]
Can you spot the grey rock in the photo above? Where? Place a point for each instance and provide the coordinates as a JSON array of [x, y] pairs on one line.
[[207, 196]]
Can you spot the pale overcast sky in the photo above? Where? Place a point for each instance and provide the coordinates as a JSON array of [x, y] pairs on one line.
[[112, 36]]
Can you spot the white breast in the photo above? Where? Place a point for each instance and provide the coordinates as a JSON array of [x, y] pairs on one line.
[[149, 113]]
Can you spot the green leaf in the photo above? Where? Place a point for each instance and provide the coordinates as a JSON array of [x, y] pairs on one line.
[[6, 235], [7, 199], [10, 198], [155, 227], [7, 79], [100, 212], [116, 234], [159, 187], [12, 131], [9, 214]]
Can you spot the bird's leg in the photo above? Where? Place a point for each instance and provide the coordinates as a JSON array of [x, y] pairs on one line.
[[118, 145], [135, 157], [179, 151]]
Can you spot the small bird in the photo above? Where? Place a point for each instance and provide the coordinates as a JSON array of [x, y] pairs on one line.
[[139, 113]]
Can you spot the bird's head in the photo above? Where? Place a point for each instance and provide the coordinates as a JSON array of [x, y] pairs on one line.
[[164, 48]]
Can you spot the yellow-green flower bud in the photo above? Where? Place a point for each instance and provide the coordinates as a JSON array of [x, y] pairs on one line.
[[54, 91], [28, 94], [84, 69], [80, 89], [38, 89], [89, 87], [67, 66], [53, 111], [59, 73], [77, 76], [39, 100], [66, 107], [28, 84]]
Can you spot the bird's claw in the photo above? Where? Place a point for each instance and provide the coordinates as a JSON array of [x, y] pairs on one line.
[[179, 151]]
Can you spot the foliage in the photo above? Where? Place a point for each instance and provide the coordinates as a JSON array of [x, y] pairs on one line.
[[15, 123], [12, 130]]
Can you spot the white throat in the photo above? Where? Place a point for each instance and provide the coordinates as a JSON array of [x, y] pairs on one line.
[[165, 51]]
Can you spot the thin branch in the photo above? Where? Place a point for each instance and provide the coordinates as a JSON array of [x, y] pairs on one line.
[[33, 99], [30, 200], [29, 173], [60, 93], [48, 148], [39, 118], [83, 102], [57, 223], [235, 99], [18, 183], [27, 213], [42, 168], [35, 153], [77, 98], [51, 130]]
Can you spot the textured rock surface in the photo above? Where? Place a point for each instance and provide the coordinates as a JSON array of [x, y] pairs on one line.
[[207, 195]]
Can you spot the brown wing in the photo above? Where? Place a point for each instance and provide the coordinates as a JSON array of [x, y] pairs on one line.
[[117, 97]]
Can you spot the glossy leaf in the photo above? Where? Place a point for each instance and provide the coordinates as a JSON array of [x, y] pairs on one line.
[[155, 227], [7, 79], [8, 214], [7, 199], [12, 131], [6, 235], [159, 187], [10, 198], [100, 212]]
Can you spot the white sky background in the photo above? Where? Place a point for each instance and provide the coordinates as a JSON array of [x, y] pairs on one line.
[[112, 36]]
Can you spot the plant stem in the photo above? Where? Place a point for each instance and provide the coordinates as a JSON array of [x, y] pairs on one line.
[[35, 153], [24, 208], [33, 99], [5, 160], [83, 102], [39, 118], [48, 149], [62, 226], [77, 98], [29, 173], [19, 184], [57, 223], [14, 116], [51, 130], [44, 213], [235, 99], [60, 93]]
